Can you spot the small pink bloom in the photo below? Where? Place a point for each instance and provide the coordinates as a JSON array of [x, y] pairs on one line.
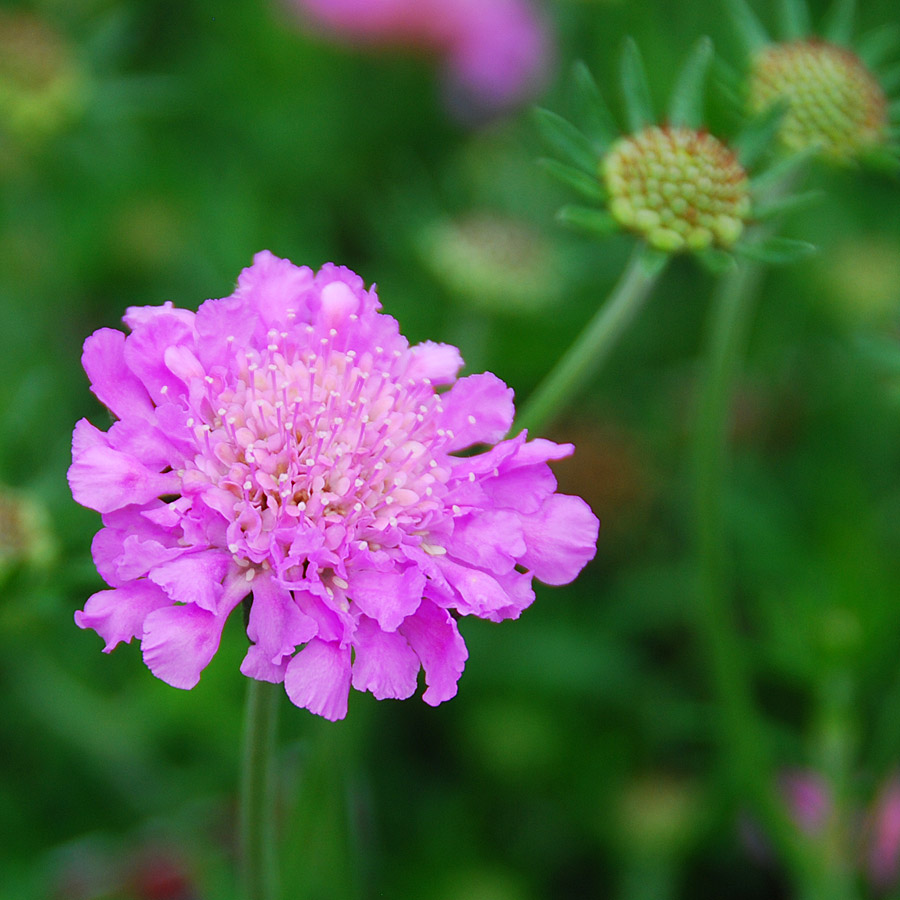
[[494, 54], [883, 851], [287, 442]]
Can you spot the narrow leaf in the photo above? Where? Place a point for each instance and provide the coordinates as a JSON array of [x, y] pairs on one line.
[[566, 139], [600, 125], [776, 251], [759, 135], [597, 222], [589, 187], [748, 27], [788, 169], [839, 22], [715, 261], [782, 206], [638, 105], [795, 22], [652, 261], [686, 104]]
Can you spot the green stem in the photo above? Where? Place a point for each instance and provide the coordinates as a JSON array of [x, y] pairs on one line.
[[744, 747], [589, 351], [257, 798]]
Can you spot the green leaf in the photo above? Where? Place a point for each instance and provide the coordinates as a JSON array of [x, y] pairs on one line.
[[782, 206], [598, 120], [566, 139], [589, 187], [787, 169], [776, 251], [839, 22], [597, 222], [879, 45], [748, 27], [638, 105], [795, 22], [686, 103], [715, 261], [652, 261], [759, 134]]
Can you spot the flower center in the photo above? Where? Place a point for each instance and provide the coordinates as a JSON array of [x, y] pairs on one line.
[[304, 431], [680, 189], [833, 100]]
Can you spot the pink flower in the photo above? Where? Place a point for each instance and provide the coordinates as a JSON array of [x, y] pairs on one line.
[[494, 53], [287, 441]]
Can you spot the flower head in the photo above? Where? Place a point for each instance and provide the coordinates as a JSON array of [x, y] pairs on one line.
[[494, 54], [287, 442], [677, 187], [831, 100], [672, 183]]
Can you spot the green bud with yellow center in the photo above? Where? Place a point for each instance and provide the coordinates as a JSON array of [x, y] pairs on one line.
[[833, 101], [679, 188]]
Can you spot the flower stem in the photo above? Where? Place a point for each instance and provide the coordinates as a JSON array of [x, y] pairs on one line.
[[587, 354], [743, 741], [257, 797]]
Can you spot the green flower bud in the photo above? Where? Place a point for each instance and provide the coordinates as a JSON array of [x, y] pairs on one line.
[[679, 188], [833, 101]]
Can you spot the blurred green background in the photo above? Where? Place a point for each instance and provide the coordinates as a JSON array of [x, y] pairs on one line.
[[578, 759]]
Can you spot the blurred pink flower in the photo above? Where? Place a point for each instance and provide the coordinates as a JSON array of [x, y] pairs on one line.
[[883, 845], [494, 54], [288, 441]]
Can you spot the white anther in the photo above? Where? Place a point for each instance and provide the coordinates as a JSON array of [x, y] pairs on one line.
[[434, 549], [337, 581]]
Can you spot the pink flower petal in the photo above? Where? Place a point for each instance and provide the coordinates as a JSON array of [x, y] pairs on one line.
[[491, 539], [118, 615], [105, 480], [561, 539], [193, 578], [276, 623], [318, 679], [432, 633], [387, 597], [113, 383], [145, 350], [179, 642], [478, 410], [384, 663], [440, 363]]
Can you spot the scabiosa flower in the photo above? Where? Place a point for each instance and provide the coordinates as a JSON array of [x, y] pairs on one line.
[[494, 54], [677, 187], [286, 441], [831, 99]]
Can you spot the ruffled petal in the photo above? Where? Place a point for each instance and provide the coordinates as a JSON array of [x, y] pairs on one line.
[[272, 287], [384, 663], [478, 409], [440, 363], [276, 623], [489, 539], [388, 597], [561, 539], [193, 578], [105, 480], [480, 593], [145, 350], [432, 633], [179, 642], [318, 679], [112, 382], [257, 665], [118, 615]]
